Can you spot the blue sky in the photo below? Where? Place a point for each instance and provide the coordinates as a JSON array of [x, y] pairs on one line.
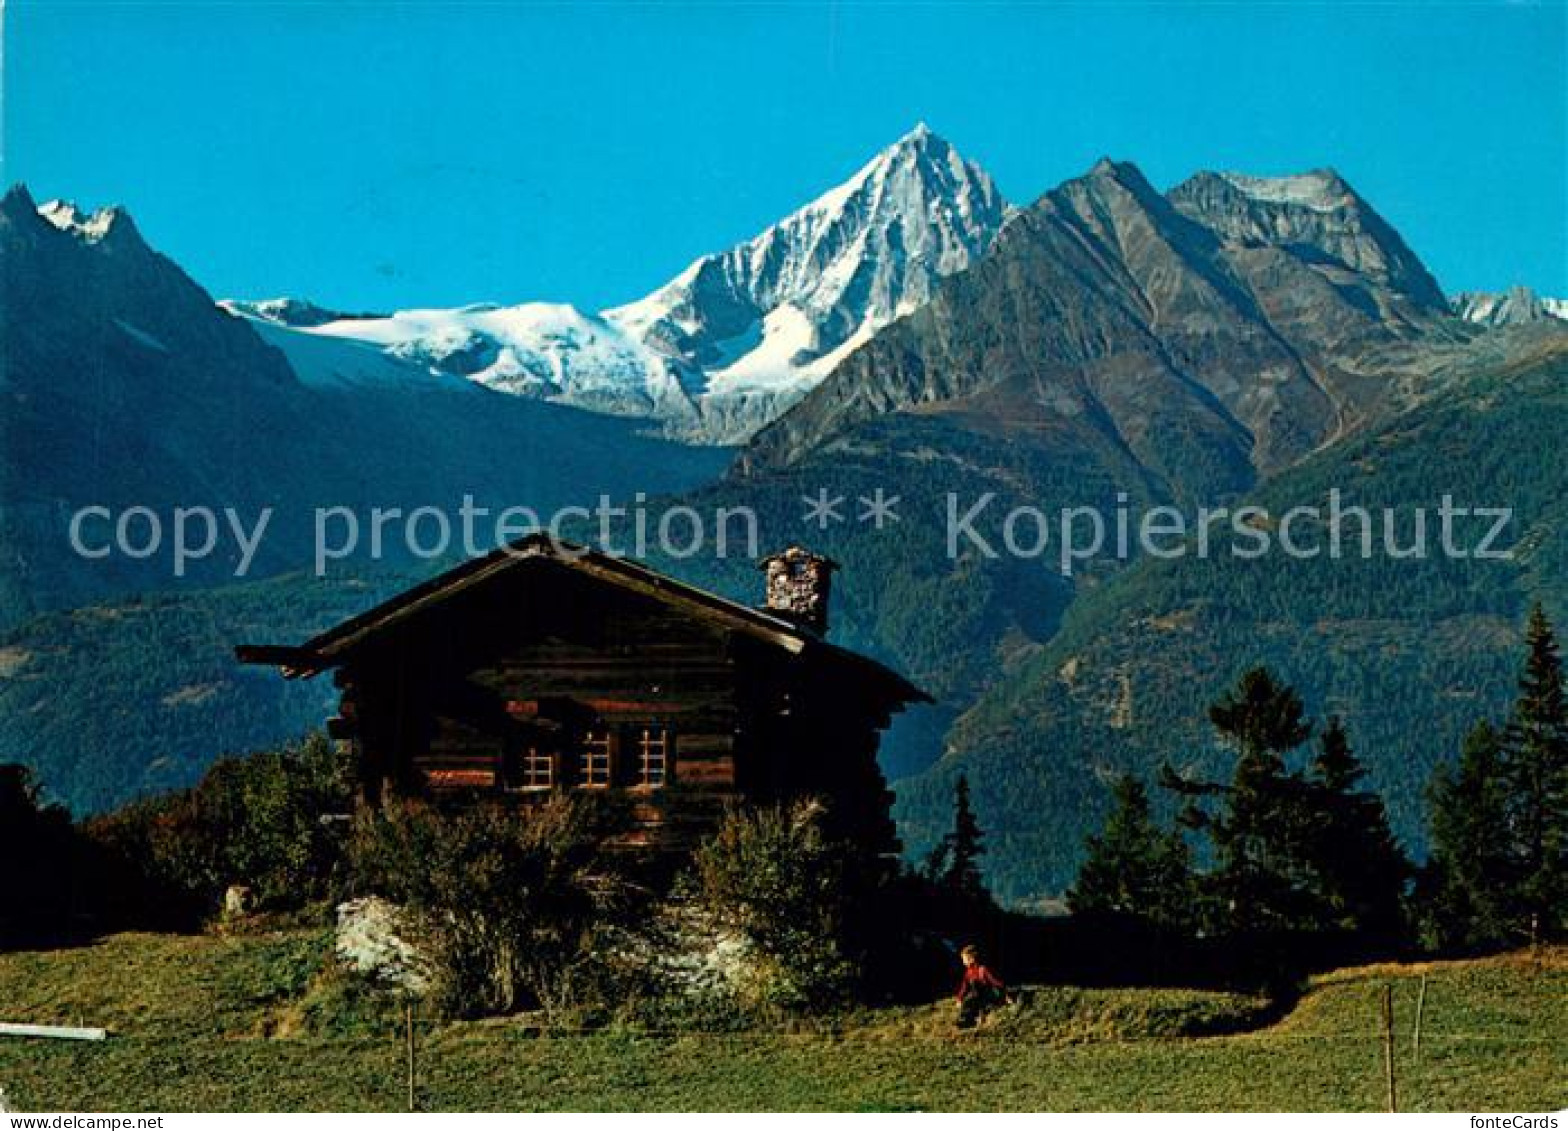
[[376, 156]]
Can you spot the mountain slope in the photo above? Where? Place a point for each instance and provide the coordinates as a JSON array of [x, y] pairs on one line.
[[1234, 338], [179, 700], [1410, 652], [123, 385], [1344, 237]]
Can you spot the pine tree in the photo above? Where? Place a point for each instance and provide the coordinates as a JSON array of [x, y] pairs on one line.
[[1133, 867], [955, 864], [1359, 870], [1336, 766], [1260, 879], [1536, 766], [1469, 877], [1262, 716]]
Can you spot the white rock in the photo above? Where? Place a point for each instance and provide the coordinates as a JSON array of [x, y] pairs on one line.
[[371, 941]]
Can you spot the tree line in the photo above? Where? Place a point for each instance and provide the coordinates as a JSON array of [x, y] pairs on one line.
[[1288, 859], [1294, 846]]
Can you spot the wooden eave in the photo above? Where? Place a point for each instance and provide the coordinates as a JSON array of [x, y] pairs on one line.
[[331, 648]]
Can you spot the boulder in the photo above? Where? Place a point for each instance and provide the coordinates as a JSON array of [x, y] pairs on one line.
[[238, 901], [373, 940]]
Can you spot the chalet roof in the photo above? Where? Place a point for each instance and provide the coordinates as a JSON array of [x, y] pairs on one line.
[[332, 647]]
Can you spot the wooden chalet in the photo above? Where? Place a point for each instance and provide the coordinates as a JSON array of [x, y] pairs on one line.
[[544, 666]]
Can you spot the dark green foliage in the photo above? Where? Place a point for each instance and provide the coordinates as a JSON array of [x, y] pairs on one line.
[[41, 861], [1294, 851], [955, 862], [1258, 829], [1411, 651], [281, 972], [1465, 886], [1536, 766], [1336, 766], [1358, 871], [1261, 717], [507, 904], [1498, 874], [115, 703], [775, 879], [1133, 868], [266, 821], [339, 1003]]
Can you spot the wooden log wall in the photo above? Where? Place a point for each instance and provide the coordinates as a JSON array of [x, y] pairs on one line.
[[438, 708]]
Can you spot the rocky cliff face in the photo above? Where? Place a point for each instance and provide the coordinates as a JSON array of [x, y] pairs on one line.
[[1516, 306], [1324, 222], [116, 362]]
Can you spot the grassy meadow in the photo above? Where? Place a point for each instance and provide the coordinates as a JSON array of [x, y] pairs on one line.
[[248, 1023]]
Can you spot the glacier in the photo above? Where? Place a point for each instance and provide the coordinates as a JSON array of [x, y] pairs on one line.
[[732, 341]]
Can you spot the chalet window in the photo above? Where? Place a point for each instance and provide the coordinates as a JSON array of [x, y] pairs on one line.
[[536, 769], [653, 756], [597, 766]]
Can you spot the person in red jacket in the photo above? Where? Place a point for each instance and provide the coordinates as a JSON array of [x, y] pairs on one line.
[[980, 991]]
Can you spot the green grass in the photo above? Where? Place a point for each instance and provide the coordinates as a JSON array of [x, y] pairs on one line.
[[204, 1023]]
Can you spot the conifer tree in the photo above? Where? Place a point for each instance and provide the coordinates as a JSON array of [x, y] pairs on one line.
[[955, 863], [1260, 827], [1134, 867], [1466, 887], [1336, 766], [1536, 766], [1359, 871]]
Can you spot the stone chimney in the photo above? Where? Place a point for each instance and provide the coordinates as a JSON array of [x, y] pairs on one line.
[[798, 586]]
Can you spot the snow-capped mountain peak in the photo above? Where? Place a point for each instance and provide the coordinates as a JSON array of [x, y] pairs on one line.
[[778, 308], [735, 338], [90, 227]]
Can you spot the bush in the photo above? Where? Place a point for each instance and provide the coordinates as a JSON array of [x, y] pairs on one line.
[[41, 862], [508, 905], [258, 821], [772, 877]]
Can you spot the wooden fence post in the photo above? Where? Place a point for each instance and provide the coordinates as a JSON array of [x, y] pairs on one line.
[[1420, 1013], [408, 1022], [1388, 1047]]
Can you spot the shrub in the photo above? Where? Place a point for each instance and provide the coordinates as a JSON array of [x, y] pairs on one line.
[[772, 877], [258, 821], [41, 861], [509, 905]]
